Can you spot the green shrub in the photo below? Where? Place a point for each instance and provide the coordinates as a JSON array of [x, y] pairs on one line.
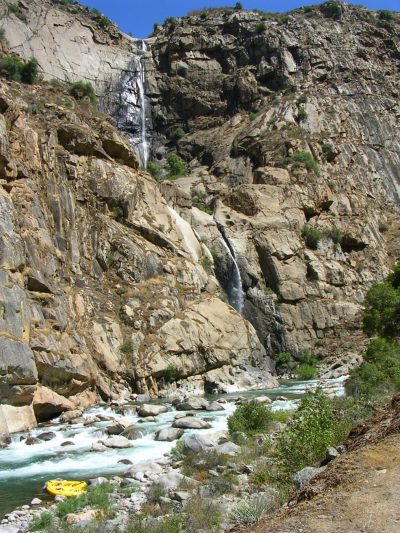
[[155, 492], [154, 169], [177, 134], [250, 511], [283, 359], [238, 6], [302, 114], [15, 69], [126, 346], [379, 374], [253, 115], [168, 524], [328, 152], [203, 15], [336, 235], [176, 166], [29, 72], [56, 83], [385, 14], [311, 236], [311, 430], [308, 9], [42, 521], [171, 373], [17, 11], [104, 21], [332, 10], [301, 159], [202, 514], [306, 371], [250, 418], [283, 19], [83, 89], [382, 309], [2, 34], [302, 99], [260, 27], [169, 21], [177, 453], [156, 27]]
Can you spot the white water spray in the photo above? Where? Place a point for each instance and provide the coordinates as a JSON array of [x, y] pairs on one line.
[[235, 289], [142, 100]]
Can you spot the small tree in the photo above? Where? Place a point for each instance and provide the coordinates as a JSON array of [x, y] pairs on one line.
[[177, 167], [238, 6], [250, 418]]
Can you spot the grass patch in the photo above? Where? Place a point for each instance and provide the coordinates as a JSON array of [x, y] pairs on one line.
[[301, 159], [251, 511], [171, 373], [202, 514], [81, 90], [126, 346], [42, 521], [154, 169], [97, 497]]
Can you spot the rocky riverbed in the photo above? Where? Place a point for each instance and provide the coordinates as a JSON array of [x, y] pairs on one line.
[[127, 443]]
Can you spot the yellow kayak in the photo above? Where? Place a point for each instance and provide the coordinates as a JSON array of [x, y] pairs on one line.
[[68, 489]]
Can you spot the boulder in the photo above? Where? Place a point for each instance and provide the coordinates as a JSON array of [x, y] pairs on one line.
[[302, 477], [263, 399], [48, 404], [173, 480], [95, 482], [169, 434], [200, 443], [151, 410], [68, 417], [118, 427], [214, 406], [145, 466], [18, 372], [30, 441], [15, 419], [190, 423], [46, 436], [133, 433], [118, 441], [192, 404]]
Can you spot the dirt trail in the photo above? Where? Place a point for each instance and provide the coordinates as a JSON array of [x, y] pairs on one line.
[[363, 496]]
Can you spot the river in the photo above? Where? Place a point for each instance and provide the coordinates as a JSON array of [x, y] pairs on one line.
[[24, 469]]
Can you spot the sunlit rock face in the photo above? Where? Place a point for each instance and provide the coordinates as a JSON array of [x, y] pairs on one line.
[[289, 122]]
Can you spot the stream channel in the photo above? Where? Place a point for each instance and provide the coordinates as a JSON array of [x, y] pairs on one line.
[[24, 469]]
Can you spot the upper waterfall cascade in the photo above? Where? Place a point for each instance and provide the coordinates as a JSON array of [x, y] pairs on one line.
[[132, 116]]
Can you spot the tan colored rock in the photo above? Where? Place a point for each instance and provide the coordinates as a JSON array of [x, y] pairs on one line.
[[15, 419], [47, 404]]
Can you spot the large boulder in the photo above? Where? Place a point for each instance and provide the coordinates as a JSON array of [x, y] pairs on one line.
[[302, 477], [191, 423], [18, 374], [169, 434], [151, 410], [15, 419], [48, 404], [118, 427], [192, 404], [200, 443]]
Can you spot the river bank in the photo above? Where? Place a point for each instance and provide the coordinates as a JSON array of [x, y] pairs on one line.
[[75, 448]]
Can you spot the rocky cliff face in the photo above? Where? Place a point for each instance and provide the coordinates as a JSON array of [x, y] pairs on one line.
[[290, 122], [112, 282], [101, 284]]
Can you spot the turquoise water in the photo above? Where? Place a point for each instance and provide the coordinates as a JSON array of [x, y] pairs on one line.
[[24, 469]]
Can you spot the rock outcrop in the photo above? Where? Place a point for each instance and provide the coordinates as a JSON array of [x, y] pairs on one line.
[[290, 125], [97, 272]]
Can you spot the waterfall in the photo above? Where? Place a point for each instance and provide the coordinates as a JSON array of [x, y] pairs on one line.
[[142, 99], [233, 286], [131, 116]]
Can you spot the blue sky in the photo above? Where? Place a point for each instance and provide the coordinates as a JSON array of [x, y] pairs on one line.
[[138, 16]]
